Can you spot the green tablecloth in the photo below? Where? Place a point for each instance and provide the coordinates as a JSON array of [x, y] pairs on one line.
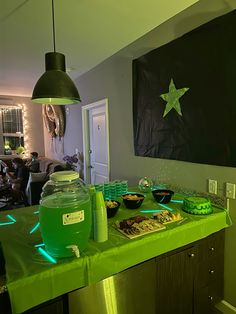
[[32, 280]]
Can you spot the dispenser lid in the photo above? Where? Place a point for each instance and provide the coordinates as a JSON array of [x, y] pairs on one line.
[[64, 176]]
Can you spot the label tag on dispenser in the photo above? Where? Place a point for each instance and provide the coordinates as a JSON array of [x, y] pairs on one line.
[[73, 218]]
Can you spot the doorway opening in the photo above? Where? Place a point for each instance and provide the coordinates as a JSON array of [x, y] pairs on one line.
[[95, 126]]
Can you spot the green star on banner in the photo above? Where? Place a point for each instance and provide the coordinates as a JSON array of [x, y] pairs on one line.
[[172, 98]]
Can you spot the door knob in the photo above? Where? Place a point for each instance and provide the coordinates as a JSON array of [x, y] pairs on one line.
[[90, 167]]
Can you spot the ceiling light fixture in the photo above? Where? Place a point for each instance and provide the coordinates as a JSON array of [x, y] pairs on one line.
[[55, 86]]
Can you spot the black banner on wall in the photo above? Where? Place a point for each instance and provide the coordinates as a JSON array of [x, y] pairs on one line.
[[184, 97]]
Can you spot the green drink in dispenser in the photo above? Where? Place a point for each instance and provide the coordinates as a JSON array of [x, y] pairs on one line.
[[65, 214]]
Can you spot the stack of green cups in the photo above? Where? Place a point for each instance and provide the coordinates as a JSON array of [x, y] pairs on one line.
[[112, 190]]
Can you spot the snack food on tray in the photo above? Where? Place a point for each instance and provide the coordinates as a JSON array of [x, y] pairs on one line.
[[167, 216], [137, 226]]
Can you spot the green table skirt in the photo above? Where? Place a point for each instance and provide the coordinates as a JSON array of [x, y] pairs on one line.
[[32, 280]]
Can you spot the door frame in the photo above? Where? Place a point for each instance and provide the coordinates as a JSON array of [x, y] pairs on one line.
[[86, 132]]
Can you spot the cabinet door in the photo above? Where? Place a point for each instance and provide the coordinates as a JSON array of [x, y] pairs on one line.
[[211, 261], [209, 279], [206, 298], [129, 292], [175, 282]]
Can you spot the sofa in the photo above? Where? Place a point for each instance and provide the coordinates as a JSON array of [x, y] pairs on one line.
[[37, 180]]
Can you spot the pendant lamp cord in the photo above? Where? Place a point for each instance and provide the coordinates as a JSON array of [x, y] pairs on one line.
[[53, 27]]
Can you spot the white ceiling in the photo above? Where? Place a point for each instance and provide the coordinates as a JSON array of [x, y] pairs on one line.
[[200, 13], [87, 32]]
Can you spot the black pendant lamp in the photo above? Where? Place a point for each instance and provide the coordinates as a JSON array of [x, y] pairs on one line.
[[55, 86]]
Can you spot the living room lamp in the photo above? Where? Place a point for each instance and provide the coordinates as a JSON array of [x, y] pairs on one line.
[[55, 86]]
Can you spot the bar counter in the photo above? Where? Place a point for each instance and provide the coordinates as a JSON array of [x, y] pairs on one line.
[[32, 279]]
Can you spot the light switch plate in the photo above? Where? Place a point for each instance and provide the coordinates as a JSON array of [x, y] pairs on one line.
[[212, 186], [230, 190]]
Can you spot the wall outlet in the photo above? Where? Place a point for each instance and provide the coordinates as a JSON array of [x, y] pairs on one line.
[[212, 186], [230, 190]]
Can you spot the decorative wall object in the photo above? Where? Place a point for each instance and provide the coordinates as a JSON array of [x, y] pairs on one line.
[[54, 119], [184, 105]]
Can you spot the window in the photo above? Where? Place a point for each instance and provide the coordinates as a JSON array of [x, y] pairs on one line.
[[11, 129]]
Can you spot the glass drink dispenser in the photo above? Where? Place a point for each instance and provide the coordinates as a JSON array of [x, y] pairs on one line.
[[65, 214]]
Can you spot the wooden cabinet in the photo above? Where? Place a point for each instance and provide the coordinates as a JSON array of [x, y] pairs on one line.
[[129, 292], [209, 279], [175, 276], [190, 280]]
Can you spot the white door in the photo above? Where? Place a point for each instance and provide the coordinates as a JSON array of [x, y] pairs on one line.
[[96, 142]]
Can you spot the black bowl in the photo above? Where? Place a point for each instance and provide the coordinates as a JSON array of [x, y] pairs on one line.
[[131, 202], [111, 211], [162, 196]]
